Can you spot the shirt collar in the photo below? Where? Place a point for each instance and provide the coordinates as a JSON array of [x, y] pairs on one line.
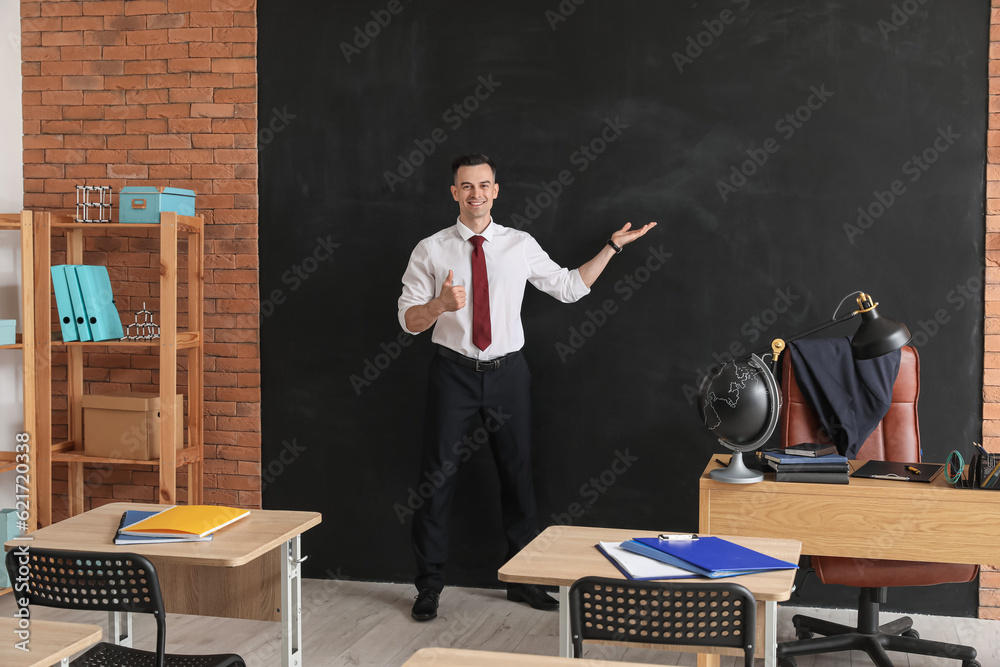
[[467, 234]]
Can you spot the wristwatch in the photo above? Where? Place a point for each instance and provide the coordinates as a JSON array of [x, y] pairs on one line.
[[616, 248]]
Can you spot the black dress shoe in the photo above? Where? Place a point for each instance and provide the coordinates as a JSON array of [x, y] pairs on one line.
[[533, 595], [426, 606]]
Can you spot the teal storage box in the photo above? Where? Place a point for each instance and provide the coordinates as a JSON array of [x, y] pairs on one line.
[[7, 333], [144, 204], [8, 531]]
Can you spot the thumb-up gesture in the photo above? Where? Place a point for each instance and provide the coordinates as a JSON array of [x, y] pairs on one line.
[[452, 296]]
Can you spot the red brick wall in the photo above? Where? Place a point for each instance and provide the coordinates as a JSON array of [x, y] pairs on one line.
[[157, 92], [989, 590]]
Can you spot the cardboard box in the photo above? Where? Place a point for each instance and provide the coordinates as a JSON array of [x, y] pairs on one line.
[[144, 204], [8, 334], [126, 425]]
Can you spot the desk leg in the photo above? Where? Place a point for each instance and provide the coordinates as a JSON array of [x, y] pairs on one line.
[[120, 628], [291, 603], [770, 633], [565, 636]]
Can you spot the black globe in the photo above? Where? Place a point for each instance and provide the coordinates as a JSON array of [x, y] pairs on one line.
[[740, 403]]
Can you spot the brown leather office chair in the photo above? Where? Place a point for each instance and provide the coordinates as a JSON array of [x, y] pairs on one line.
[[897, 438]]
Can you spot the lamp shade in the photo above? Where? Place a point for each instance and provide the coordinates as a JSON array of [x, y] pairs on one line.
[[878, 335]]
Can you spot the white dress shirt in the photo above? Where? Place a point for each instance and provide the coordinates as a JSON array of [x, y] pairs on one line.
[[513, 257]]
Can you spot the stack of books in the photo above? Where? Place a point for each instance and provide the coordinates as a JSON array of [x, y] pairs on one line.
[[820, 466], [181, 523]]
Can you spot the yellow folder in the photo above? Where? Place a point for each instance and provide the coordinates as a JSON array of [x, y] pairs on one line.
[[193, 520]]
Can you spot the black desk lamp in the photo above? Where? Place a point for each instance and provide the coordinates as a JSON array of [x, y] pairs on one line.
[[875, 336], [741, 403]]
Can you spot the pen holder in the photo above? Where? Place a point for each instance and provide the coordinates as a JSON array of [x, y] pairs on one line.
[[978, 474]]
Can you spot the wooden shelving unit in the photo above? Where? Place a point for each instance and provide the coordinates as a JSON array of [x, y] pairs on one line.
[[25, 343], [171, 344]]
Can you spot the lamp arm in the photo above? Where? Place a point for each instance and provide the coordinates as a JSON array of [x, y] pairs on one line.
[[777, 345]]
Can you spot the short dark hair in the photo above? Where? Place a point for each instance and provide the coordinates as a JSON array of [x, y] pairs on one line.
[[472, 160]]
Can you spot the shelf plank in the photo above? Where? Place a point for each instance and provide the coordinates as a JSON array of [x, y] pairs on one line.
[[184, 456], [185, 340], [185, 223]]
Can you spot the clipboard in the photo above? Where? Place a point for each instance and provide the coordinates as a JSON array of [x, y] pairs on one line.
[[709, 556], [899, 471], [640, 568]]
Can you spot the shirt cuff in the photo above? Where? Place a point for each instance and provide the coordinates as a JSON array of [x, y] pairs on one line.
[[580, 288], [402, 321]]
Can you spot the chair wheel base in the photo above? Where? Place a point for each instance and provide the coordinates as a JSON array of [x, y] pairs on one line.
[[787, 662], [971, 663], [910, 633]]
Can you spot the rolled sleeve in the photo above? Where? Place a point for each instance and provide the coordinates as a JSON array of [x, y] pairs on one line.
[[556, 281], [418, 284]]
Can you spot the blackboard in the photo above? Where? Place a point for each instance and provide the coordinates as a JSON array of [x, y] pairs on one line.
[[791, 152]]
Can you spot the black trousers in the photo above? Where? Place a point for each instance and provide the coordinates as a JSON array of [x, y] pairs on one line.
[[456, 396]]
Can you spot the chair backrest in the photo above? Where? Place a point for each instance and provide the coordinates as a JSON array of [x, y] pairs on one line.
[[897, 437], [663, 612], [90, 580]]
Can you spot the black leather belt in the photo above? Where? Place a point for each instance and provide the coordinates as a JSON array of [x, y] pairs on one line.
[[469, 362]]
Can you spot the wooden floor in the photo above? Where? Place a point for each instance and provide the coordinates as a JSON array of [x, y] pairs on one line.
[[359, 623]]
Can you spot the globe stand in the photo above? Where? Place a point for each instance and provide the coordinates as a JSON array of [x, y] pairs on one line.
[[737, 472]]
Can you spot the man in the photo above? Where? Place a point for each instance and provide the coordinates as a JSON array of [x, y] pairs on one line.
[[479, 370]]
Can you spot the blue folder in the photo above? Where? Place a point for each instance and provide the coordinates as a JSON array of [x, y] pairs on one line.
[[67, 322], [76, 301], [99, 302], [130, 517], [711, 557]]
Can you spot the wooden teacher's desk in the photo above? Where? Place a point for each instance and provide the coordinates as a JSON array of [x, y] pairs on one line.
[[868, 518], [563, 554], [250, 570], [50, 642]]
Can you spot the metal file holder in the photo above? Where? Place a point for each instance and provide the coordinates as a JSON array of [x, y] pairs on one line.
[[978, 470]]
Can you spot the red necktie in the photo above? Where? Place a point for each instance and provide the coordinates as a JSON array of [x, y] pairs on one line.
[[482, 334]]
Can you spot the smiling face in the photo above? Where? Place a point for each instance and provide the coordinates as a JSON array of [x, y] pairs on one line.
[[474, 190]]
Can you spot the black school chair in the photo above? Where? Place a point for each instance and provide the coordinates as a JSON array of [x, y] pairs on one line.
[[104, 582], [663, 612]]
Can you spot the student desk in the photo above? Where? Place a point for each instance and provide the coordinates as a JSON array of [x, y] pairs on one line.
[[249, 570], [51, 642], [456, 657], [563, 554], [868, 518]]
